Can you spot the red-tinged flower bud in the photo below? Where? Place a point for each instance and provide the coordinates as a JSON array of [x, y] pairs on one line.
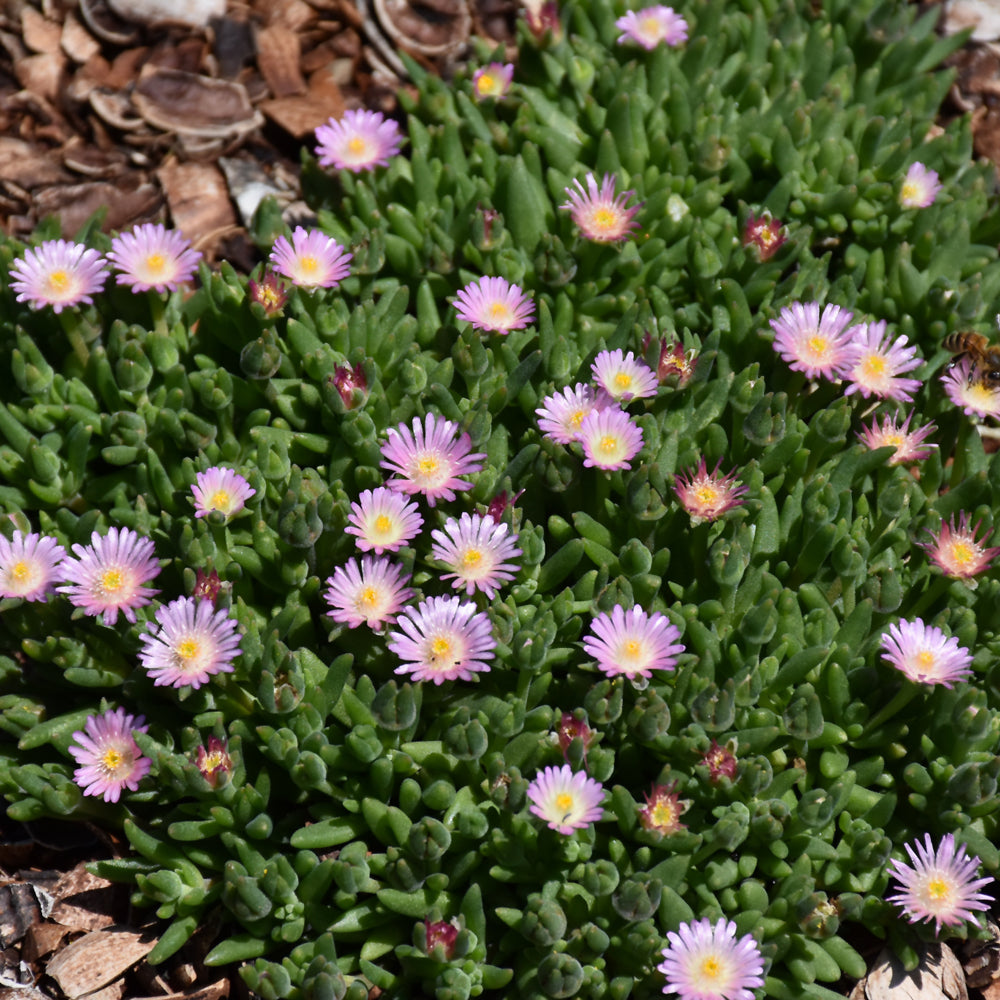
[[345, 380], [569, 728], [499, 504], [543, 17], [269, 293], [675, 363], [720, 761], [765, 233], [663, 809], [207, 585], [214, 762], [441, 932]]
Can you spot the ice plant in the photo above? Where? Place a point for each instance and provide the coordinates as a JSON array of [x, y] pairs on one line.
[[478, 551], [633, 643], [925, 654], [29, 565], [571, 728], [371, 593], [813, 343], [974, 396], [920, 187], [441, 935], [492, 80], [494, 304], [430, 458], [599, 213], [566, 801], [561, 415], [610, 439], [58, 274], [957, 552], [214, 762], [110, 575], [876, 362], [311, 260], [720, 761], [652, 26], [153, 257], [622, 376], [189, 643], [207, 585], [940, 885], [500, 503], [109, 757], [909, 444], [220, 489], [443, 639], [351, 384], [663, 810], [674, 363], [765, 233], [383, 521], [269, 293], [706, 961], [705, 495], [359, 140]]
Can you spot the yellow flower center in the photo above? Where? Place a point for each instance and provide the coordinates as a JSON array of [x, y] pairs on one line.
[[925, 658], [711, 967], [472, 558], [486, 83], [268, 297], [367, 598], [59, 282], [155, 263], [427, 465], [874, 366], [962, 553], [499, 312], [664, 813], [577, 418], [112, 760], [564, 802], [440, 650], [649, 27], [604, 220], [188, 649], [938, 889], [309, 264], [21, 571], [819, 347], [356, 145], [608, 444], [910, 190], [623, 380], [383, 524], [707, 493], [111, 581], [896, 440], [220, 501]]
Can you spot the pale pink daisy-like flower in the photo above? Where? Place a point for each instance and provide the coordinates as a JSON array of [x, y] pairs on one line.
[[494, 304], [920, 187], [875, 363], [58, 274], [477, 550], [359, 140], [383, 521], [925, 654], [623, 377], [29, 566], [610, 439], [652, 26], [663, 810], [974, 396], [110, 574], [599, 213], [940, 885], [220, 489], [633, 643], [492, 81], [705, 495], [703, 961], [371, 593], [812, 343], [189, 643], [564, 800], [311, 260], [561, 415], [152, 256], [430, 458], [110, 760], [957, 552], [443, 639], [909, 444]]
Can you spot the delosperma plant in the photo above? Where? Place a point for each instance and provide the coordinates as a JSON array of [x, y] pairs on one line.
[[561, 568]]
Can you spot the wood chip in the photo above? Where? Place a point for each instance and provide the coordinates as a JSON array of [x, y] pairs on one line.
[[78, 43], [129, 199], [42, 940], [42, 74], [214, 991], [39, 33], [28, 165], [97, 959], [278, 59], [195, 13], [83, 901], [197, 196], [939, 976]]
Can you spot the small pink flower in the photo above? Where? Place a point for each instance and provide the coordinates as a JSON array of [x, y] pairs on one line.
[[675, 364], [561, 415], [359, 140], [920, 187], [29, 566], [371, 594], [566, 801], [663, 810], [599, 213], [500, 503], [720, 761], [875, 363], [571, 728], [925, 654], [623, 377], [207, 585], [214, 761], [220, 489], [705, 495], [765, 233], [816, 345], [494, 304], [441, 936], [652, 26], [957, 552], [633, 643], [383, 521], [610, 439], [109, 758], [492, 81], [311, 260], [351, 384], [703, 961], [269, 293], [974, 396], [58, 274], [908, 444], [153, 257], [478, 551]]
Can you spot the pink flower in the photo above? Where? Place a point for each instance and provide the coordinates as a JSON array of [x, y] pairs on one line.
[[600, 214], [110, 574], [652, 26], [443, 639], [494, 304], [908, 444], [920, 187], [430, 459], [269, 293], [29, 566], [151, 256], [875, 363], [940, 885], [311, 260], [371, 594], [58, 274], [383, 521], [765, 233], [663, 810], [492, 80], [477, 550], [359, 140], [703, 961], [705, 495], [109, 758], [957, 552], [207, 585], [214, 761], [351, 384], [925, 654], [500, 503], [441, 935], [674, 363], [610, 439], [623, 377], [974, 396], [222, 490], [720, 761], [189, 643], [561, 415], [566, 801], [810, 343], [571, 728], [633, 643]]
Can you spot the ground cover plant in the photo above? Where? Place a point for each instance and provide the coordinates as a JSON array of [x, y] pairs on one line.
[[563, 569]]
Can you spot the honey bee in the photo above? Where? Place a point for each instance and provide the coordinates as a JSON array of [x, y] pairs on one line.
[[985, 357]]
